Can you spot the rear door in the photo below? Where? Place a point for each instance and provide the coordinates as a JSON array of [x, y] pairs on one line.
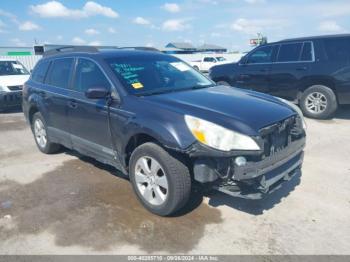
[[88, 118], [55, 95], [253, 72], [290, 69]]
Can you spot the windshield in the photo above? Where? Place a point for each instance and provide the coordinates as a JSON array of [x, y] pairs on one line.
[[220, 58], [12, 68], [146, 74]]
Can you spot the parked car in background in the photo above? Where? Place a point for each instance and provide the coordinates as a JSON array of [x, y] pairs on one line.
[[207, 62], [311, 71], [12, 77], [163, 124]]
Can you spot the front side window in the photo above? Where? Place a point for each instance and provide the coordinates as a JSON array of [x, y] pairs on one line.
[[289, 52], [209, 59], [12, 68], [60, 72], [150, 74], [40, 71], [261, 55], [89, 75]]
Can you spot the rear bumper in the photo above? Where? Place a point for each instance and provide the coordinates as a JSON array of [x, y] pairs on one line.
[[10, 99], [256, 179]]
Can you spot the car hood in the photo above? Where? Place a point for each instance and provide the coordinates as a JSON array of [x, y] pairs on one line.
[[13, 80], [243, 111]]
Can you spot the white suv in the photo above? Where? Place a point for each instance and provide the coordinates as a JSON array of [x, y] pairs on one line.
[[12, 77]]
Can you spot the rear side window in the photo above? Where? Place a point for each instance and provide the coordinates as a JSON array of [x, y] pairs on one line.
[[306, 54], [338, 49], [289, 52], [40, 71], [60, 72], [89, 75]]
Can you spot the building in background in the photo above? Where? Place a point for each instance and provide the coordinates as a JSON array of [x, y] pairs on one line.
[[211, 48], [179, 48]]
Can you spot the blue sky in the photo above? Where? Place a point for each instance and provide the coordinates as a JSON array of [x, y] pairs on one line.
[[229, 23]]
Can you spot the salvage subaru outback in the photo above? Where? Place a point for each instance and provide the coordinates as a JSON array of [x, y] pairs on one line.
[[163, 124]]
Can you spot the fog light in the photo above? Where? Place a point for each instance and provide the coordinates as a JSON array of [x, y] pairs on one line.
[[240, 161]]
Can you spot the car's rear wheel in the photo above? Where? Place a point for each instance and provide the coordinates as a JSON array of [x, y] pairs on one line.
[[42, 140], [196, 68], [161, 181], [318, 102]]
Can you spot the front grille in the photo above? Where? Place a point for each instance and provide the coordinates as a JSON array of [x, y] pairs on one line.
[[15, 88], [279, 135]]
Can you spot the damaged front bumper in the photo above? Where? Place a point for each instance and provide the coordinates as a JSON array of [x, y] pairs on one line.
[[257, 177]]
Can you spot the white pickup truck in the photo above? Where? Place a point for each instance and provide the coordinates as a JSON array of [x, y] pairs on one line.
[[207, 62]]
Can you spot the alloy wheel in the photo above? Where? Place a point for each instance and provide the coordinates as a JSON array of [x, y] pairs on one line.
[[40, 133], [151, 180], [316, 102]]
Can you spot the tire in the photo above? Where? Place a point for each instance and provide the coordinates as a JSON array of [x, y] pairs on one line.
[[196, 68], [39, 129], [223, 83], [318, 101], [157, 196]]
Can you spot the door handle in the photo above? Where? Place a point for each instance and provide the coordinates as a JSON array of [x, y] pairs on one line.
[[243, 76], [263, 70], [73, 104], [303, 68]]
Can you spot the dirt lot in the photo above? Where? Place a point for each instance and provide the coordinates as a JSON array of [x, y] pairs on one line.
[[69, 204]]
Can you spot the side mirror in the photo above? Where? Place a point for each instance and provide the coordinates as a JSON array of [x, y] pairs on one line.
[[97, 93]]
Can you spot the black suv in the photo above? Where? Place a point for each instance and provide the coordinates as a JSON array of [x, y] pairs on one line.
[[312, 71], [163, 124]]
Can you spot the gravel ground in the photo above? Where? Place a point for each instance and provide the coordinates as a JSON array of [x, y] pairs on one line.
[[69, 204]]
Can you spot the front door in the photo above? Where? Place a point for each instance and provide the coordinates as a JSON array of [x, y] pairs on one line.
[[88, 118], [253, 72]]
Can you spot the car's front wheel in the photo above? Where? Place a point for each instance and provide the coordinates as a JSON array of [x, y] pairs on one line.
[[161, 181], [42, 140], [318, 102]]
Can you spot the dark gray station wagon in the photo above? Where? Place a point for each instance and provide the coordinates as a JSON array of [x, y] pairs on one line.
[[163, 124]]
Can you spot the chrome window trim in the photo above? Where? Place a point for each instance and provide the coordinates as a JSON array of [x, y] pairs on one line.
[[288, 62]]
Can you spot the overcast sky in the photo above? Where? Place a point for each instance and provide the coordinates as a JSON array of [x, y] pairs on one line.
[[229, 23]]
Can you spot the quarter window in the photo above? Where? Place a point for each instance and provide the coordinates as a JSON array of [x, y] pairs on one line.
[[39, 72], [338, 49], [89, 75], [60, 72], [261, 55], [289, 52]]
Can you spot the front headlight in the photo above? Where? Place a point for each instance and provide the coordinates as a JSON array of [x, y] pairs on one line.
[[297, 109], [219, 137]]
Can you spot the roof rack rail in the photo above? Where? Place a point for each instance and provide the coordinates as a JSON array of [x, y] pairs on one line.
[[143, 48], [59, 50], [93, 49]]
